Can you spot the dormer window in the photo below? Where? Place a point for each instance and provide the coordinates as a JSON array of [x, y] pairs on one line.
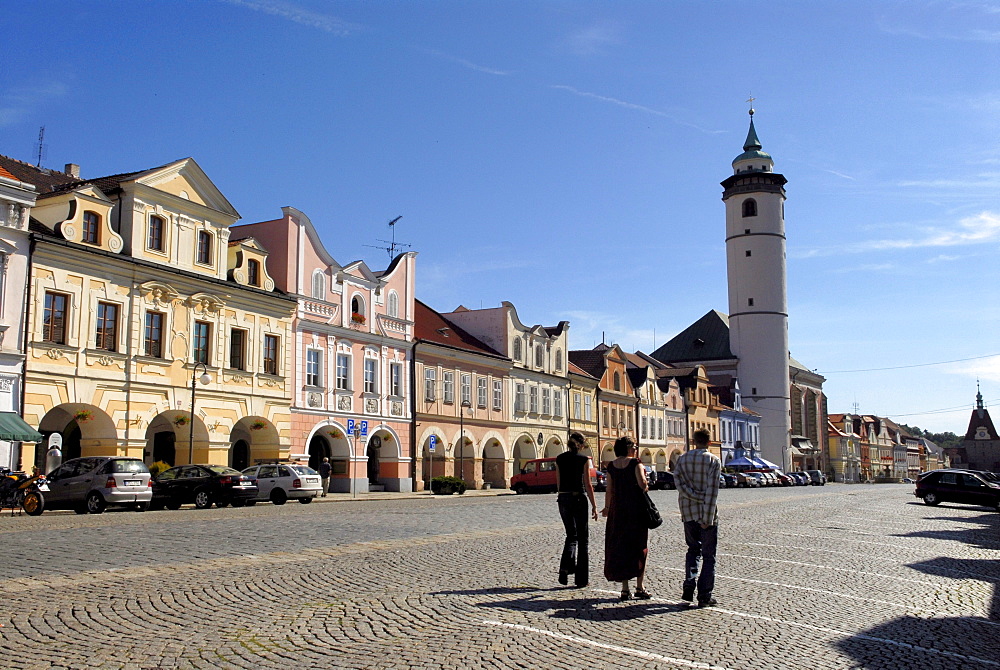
[[91, 227], [517, 348], [749, 207], [253, 272], [539, 356], [319, 285], [204, 254], [392, 304], [357, 310], [154, 234]]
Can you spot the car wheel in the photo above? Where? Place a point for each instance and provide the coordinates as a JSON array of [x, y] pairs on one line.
[[931, 498], [305, 501], [520, 489], [95, 503], [279, 497], [173, 504], [141, 506], [202, 499]]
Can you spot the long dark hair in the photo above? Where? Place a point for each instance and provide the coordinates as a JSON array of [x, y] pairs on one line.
[[623, 445], [576, 442]]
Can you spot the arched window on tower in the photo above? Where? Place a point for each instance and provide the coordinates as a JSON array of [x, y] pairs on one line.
[[749, 207]]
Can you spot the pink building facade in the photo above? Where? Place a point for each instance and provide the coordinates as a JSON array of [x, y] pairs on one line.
[[353, 344]]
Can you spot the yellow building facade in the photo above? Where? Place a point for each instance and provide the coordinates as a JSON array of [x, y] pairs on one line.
[[149, 334]]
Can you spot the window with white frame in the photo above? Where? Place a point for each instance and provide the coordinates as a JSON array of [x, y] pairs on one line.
[[430, 384], [576, 406], [557, 402], [497, 394], [396, 379], [516, 347], [642, 430], [533, 400], [392, 304], [519, 398], [449, 386], [314, 367], [539, 356], [546, 401], [319, 285], [558, 360], [343, 372], [371, 375], [482, 390], [659, 423], [466, 388], [587, 415]]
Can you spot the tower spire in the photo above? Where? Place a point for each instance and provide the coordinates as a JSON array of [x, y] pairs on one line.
[[752, 141], [979, 400]]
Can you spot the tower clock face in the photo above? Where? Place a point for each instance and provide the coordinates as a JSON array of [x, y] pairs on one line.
[[982, 433]]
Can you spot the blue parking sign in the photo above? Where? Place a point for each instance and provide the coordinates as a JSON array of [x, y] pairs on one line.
[[364, 427], [431, 443], [350, 426]]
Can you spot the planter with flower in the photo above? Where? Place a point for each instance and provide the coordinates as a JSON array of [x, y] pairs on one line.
[[181, 420], [83, 415], [335, 433], [258, 425], [357, 318]]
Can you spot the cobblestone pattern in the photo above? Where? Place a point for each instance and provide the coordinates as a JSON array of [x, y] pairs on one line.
[[832, 577]]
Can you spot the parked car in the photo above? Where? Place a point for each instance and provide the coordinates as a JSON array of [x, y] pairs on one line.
[[958, 486], [817, 476], [539, 476], [730, 480], [600, 481], [801, 478], [92, 484], [746, 480], [651, 479], [665, 480], [280, 482], [757, 477], [203, 485], [783, 479]]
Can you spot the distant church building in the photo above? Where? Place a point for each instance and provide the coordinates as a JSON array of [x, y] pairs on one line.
[[980, 449], [751, 342]]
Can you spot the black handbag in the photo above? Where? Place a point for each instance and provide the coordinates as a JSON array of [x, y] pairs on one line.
[[653, 518]]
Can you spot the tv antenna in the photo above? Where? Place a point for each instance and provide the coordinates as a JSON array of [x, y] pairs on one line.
[[41, 146], [392, 245]]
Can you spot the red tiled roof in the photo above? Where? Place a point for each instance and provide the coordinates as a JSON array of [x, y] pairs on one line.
[[42, 179], [577, 370], [5, 173], [590, 360], [430, 326]]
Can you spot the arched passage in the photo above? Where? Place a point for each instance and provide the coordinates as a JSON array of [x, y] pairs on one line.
[[524, 451], [494, 464]]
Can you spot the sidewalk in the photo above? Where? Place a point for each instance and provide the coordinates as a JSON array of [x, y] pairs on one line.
[[414, 495]]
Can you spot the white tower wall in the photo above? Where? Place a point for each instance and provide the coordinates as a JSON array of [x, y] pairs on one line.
[[758, 302]]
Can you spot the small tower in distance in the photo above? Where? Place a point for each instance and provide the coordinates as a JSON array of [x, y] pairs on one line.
[[758, 300]]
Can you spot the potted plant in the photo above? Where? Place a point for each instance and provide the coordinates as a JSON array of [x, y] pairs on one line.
[[357, 318], [335, 433], [180, 420], [83, 415], [258, 424], [447, 485]]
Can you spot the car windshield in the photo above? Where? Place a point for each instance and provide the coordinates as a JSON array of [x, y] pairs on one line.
[[128, 465], [223, 470], [303, 470]]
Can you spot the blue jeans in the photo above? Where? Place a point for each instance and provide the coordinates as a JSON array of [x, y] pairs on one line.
[[702, 543], [574, 509]]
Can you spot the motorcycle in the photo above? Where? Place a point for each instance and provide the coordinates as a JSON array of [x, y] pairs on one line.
[[18, 490]]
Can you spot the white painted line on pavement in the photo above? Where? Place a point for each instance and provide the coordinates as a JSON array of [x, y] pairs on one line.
[[880, 544], [827, 567], [610, 647], [859, 636], [978, 575]]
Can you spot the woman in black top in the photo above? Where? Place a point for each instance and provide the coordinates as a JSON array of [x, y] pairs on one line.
[[626, 540], [575, 487]]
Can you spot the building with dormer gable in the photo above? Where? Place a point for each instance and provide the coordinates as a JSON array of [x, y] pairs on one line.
[[539, 378], [616, 399], [582, 404], [651, 410], [843, 449], [980, 449], [674, 410], [131, 299], [352, 353], [16, 200]]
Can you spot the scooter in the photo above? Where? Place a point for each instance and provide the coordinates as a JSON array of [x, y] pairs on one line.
[[18, 490]]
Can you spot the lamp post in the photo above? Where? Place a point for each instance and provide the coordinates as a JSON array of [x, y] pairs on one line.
[[357, 434], [461, 438], [205, 379]]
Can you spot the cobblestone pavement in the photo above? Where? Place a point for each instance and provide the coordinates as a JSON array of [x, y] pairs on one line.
[[827, 577]]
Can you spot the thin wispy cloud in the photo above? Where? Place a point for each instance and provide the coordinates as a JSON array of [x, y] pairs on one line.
[[594, 39], [982, 228], [17, 104], [633, 106], [987, 369], [871, 267], [951, 21], [298, 14], [469, 64]]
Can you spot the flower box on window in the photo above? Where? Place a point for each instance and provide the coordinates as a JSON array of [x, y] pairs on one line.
[[83, 415], [357, 318], [180, 420], [258, 425]]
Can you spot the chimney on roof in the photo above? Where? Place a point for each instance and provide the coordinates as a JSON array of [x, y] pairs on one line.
[[73, 170]]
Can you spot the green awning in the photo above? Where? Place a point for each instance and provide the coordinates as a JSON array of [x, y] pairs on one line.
[[14, 429]]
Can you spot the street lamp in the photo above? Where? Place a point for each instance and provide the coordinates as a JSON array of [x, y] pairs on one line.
[[461, 438], [205, 379], [354, 486]]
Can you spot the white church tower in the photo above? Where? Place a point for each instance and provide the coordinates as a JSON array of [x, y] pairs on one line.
[[758, 302]]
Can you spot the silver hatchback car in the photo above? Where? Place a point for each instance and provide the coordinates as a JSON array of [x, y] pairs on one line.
[[280, 482], [91, 484]]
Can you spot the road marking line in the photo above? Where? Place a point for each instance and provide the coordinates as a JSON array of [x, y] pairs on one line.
[[610, 647], [827, 567], [878, 544], [860, 636]]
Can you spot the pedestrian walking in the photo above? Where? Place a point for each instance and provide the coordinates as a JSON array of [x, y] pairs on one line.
[[627, 537], [576, 506], [696, 476], [324, 475]]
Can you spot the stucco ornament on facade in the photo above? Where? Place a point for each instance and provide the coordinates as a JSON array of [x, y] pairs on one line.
[[159, 294], [205, 303]]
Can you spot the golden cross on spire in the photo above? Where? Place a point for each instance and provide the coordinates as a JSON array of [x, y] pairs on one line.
[[750, 100]]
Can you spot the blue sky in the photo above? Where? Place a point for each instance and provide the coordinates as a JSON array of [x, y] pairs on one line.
[[566, 156]]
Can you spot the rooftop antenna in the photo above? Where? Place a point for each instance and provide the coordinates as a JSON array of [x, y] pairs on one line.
[[392, 244], [41, 146]]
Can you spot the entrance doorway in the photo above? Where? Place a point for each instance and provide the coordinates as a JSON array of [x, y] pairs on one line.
[[318, 450], [164, 447], [239, 454]]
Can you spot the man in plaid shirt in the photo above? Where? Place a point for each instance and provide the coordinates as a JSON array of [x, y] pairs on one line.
[[696, 475]]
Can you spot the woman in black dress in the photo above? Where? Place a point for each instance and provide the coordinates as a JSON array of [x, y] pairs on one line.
[[625, 543]]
